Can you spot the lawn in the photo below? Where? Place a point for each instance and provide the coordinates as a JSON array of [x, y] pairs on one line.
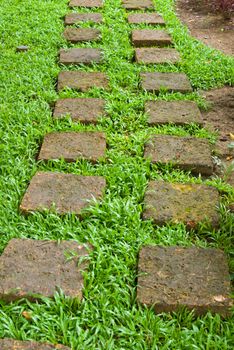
[[108, 317]]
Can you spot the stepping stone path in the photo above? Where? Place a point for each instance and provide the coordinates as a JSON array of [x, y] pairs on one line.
[[187, 153], [10, 344], [74, 18], [72, 146], [138, 4], [80, 55], [147, 18], [171, 82], [77, 35], [150, 37], [156, 56], [66, 193], [175, 202], [171, 277], [86, 3], [82, 81]]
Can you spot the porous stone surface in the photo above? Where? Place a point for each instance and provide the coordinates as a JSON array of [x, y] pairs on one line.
[[77, 35], [175, 202], [80, 55], [65, 193], [82, 81], [176, 112], [150, 37], [187, 153], [32, 269], [138, 4], [174, 277], [73, 18], [73, 145], [84, 110], [156, 56], [147, 18], [172, 82], [86, 3], [11, 344]]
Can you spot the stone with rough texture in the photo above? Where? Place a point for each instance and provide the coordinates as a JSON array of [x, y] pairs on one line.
[[84, 110], [77, 35], [175, 112], [80, 55], [86, 3], [11, 344], [72, 146], [175, 202], [138, 4], [64, 193], [32, 269], [172, 82], [156, 56], [82, 81], [146, 18], [175, 277], [150, 37], [73, 18]]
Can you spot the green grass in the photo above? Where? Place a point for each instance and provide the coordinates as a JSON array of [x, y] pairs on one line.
[[108, 317]]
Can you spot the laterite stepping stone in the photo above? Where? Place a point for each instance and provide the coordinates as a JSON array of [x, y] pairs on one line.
[[74, 18], [172, 82], [187, 153], [86, 3], [11, 344], [150, 37], [65, 193], [33, 269], [82, 81], [175, 277], [175, 202], [175, 112], [72, 146], [146, 18], [80, 55], [138, 4], [84, 110], [156, 56], [77, 35]]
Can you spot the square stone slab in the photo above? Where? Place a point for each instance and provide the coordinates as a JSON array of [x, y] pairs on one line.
[[138, 4], [172, 82], [147, 18], [80, 55], [187, 153], [82, 81], [174, 202], [72, 146], [156, 56], [150, 37], [175, 112], [174, 277], [32, 269], [11, 344], [66, 193], [73, 18], [84, 110], [77, 35], [86, 3]]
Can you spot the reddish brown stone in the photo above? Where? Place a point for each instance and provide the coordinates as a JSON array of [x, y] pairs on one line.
[[65, 193], [150, 37], [187, 153], [77, 35], [86, 3], [82, 81], [72, 146], [11, 344], [175, 112], [138, 4], [32, 269], [84, 110], [188, 203], [175, 277], [147, 18], [172, 82], [156, 56], [80, 55], [73, 18]]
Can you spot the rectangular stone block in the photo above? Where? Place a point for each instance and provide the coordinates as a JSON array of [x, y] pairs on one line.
[[175, 277], [84, 110], [86, 3], [156, 56], [82, 81], [187, 153], [78, 35], [72, 146], [11, 344], [150, 37], [146, 18], [73, 18], [187, 203], [64, 193], [171, 82], [80, 56], [175, 112], [138, 4]]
